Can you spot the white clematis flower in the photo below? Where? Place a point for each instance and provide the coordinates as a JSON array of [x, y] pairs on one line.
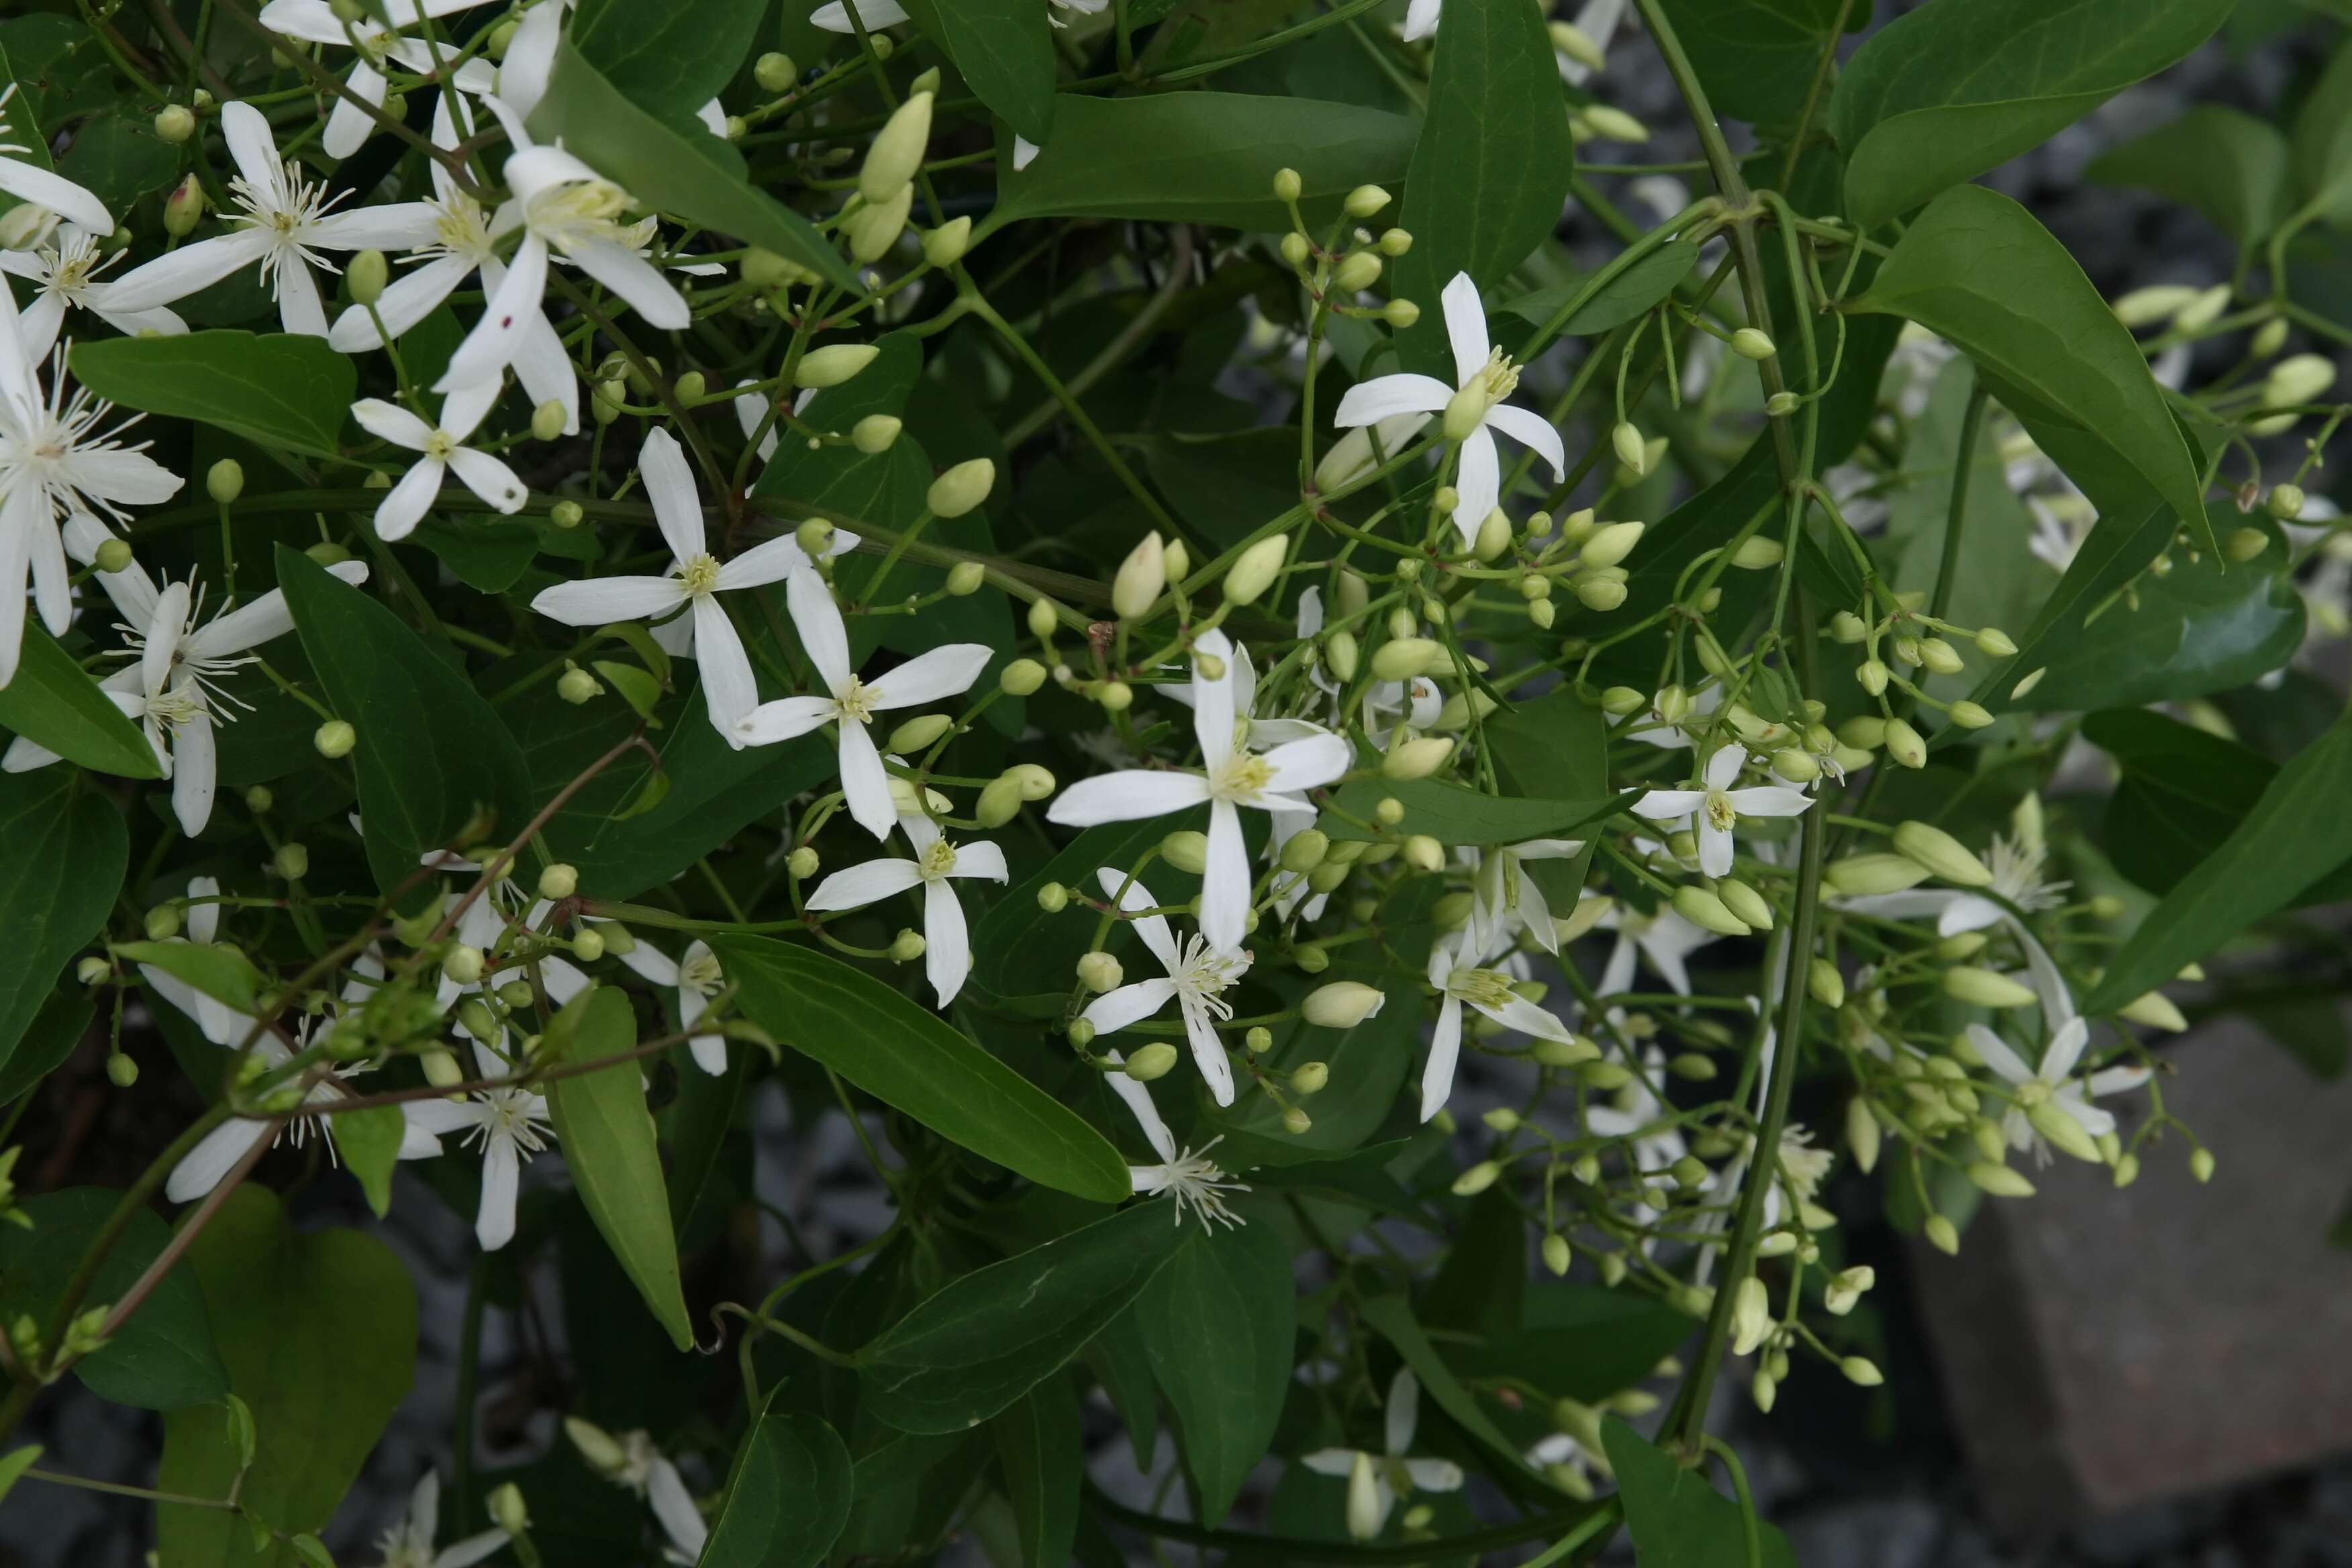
[[409, 1542], [1458, 979], [947, 941], [1193, 1181], [833, 17], [1718, 807], [31, 183], [285, 224], [314, 22], [1232, 775], [440, 451], [1665, 939], [1504, 898], [1421, 19], [2053, 1081], [1473, 408], [850, 704], [507, 1124], [64, 272], [1199, 973], [1375, 1481], [694, 579]]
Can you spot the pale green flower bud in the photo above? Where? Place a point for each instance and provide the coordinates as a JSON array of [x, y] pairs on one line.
[[917, 734], [1400, 313], [2066, 1135], [766, 270], [1287, 185], [1862, 1371], [2200, 1166], [1141, 578], [1404, 658], [1999, 1180], [1622, 700], [1311, 1077], [175, 122], [2299, 378], [1746, 904], [183, 208], [1098, 970], [1941, 853], [898, 151], [1476, 1179], [1416, 758], [1186, 850], [224, 480], [1707, 911], [2156, 1010], [566, 514], [1022, 676], [1388, 814], [1872, 675], [1304, 850], [162, 923], [1342, 1004], [833, 364], [508, 1512], [1150, 1061], [112, 556], [874, 227], [1295, 1121], [1970, 715], [1607, 546], [1824, 983], [1633, 451], [464, 963], [1578, 45], [1365, 201], [365, 276], [962, 488], [588, 945], [1861, 876], [335, 739], [2204, 309], [1255, 572], [1749, 343], [2157, 303], [1903, 744], [1295, 248], [1757, 552], [1423, 853], [1751, 1316], [577, 687], [1356, 273], [774, 72], [906, 946], [1863, 1134], [1983, 987], [1611, 125], [1939, 655], [1556, 1254]]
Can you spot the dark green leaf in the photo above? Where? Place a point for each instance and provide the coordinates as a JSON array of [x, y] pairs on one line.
[[217, 968], [608, 1142], [1977, 268], [2227, 164], [1579, 1341], [978, 1346], [1757, 58], [1957, 87], [696, 1125], [2323, 141], [2182, 792], [1043, 1453], [1476, 202], [52, 703], [1004, 51], [431, 755], [1676, 1518], [489, 557], [904, 1056], [1218, 1325], [787, 1498], [1557, 744], [1204, 157], [2294, 836], [284, 391], [285, 1307], [1643, 283], [1455, 814], [44, 1043], [163, 1358], [669, 58], [66, 853], [2311, 1030], [13, 1468], [686, 171]]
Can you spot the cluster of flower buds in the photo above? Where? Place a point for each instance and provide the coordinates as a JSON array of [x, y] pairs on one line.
[[1349, 258]]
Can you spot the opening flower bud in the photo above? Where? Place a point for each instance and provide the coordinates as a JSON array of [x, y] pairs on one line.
[[577, 687]]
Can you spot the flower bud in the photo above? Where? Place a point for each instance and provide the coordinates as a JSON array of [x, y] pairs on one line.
[[1999, 1180], [1141, 579], [1311, 1077], [1416, 758], [1365, 201], [464, 963], [1296, 248], [162, 923], [898, 151], [175, 122], [559, 881], [945, 246], [1287, 185], [292, 860], [1746, 904], [1632, 450], [1970, 715], [1707, 911], [2156, 1010], [1150, 1061], [121, 1071], [224, 480], [183, 208], [577, 686], [1941, 853], [1295, 1121], [1862, 1371], [1609, 545], [875, 227], [1862, 1135], [1186, 850], [1611, 125], [2064, 1133], [1862, 875], [1749, 343], [1255, 572], [1476, 1179], [1052, 897], [1021, 676], [1556, 1254], [1600, 594], [1401, 313], [906, 946], [774, 72], [1342, 1004], [1983, 987], [112, 556], [2203, 310], [366, 275], [1824, 983], [1356, 273], [2298, 379], [1423, 853], [1903, 744], [507, 1509], [1098, 970], [1751, 1316], [1756, 552], [962, 488], [833, 364], [1388, 813], [2157, 303], [588, 945], [335, 739]]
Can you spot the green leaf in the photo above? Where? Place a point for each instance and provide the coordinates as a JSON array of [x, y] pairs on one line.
[[52, 703], [431, 755], [368, 1144], [2323, 141], [118, 158], [787, 1497], [13, 1466], [685, 172], [1953, 89], [1978, 269], [1043, 1453], [669, 58], [1476, 202], [1204, 157], [67, 850], [609, 1146], [488, 556], [696, 1123], [1645, 281], [1580, 1340], [44, 1043], [163, 1358], [1451, 813], [2182, 792], [1218, 1324], [284, 391], [2295, 834], [903, 1055], [1676, 1518], [2226, 164], [217, 968], [1004, 51], [988, 1338], [1392, 1318], [1559, 743], [1757, 58], [287, 1309]]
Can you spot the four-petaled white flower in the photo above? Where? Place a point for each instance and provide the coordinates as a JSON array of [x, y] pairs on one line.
[[694, 578], [1473, 408], [349, 126], [1459, 980], [1232, 775], [31, 183], [850, 704], [286, 222], [440, 451], [1375, 1481], [173, 687], [1199, 973], [508, 1124], [947, 942], [646, 1470], [1718, 807], [63, 271], [1503, 897], [2053, 1081], [409, 1542], [1192, 1180]]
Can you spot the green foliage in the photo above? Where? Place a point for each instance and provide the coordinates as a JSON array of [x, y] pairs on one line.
[[56, 706], [67, 858], [283, 391], [162, 1357], [1217, 1326], [1677, 1518], [787, 1496]]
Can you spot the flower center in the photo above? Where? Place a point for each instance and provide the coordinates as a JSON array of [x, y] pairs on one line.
[[1717, 809], [1480, 987], [1243, 778], [440, 445], [699, 575], [459, 226], [581, 212], [938, 861], [1205, 972], [175, 707], [856, 701], [699, 974]]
